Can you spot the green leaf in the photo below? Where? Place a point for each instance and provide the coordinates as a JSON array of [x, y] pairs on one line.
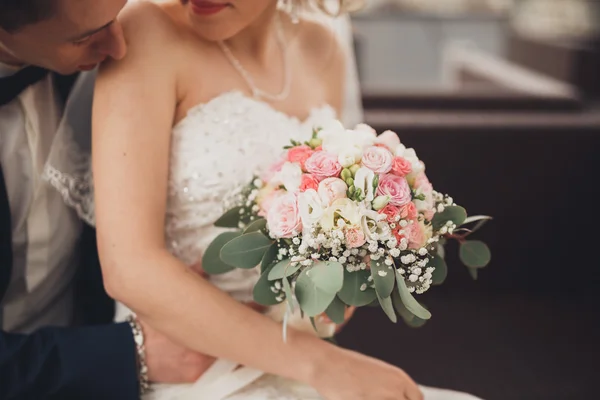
[[314, 324], [441, 269], [262, 292], [474, 272], [246, 251], [283, 268], [351, 293], [336, 311], [317, 286], [440, 250], [288, 293], [384, 277], [388, 308], [269, 257], [230, 219], [480, 219], [409, 301], [256, 226], [475, 254], [456, 214], [211, 260], [409, 318]]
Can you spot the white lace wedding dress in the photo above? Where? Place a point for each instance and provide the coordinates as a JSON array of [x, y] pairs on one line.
[[216, 148]]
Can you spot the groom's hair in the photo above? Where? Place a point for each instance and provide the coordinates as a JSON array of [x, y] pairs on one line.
[[15, 14]]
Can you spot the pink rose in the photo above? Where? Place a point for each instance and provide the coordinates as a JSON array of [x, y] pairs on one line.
[[309, 181], [389, 139], [331, 189], [273, 170], [299, 154], [416, 235], [409, 211], [378, 159], [323, 165], [401, 166], [355, 237], [283, 217], [396, 187], [265, 201]]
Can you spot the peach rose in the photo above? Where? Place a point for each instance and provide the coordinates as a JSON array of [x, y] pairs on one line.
[[396, 187], [331, 189], [266, 198], [309, 181], [355, 237], [389, 139], [377, 159], [401, 166], [391, 212], [418, 234], [300, 154], [323, 165], [424, 188], [409, 211], [283, 217]]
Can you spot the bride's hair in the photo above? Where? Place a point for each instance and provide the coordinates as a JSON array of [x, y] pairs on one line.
[[331, 7]]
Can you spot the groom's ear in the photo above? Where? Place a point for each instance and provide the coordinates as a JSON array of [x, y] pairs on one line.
[[15, 14]]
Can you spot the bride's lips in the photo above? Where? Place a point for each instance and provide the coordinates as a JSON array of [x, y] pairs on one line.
[[203, 7]]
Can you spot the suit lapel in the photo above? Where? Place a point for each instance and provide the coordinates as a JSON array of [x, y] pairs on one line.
[[5, 239]]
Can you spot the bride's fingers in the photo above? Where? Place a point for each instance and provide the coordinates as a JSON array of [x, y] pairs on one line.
[[414, 393], [197, 268]]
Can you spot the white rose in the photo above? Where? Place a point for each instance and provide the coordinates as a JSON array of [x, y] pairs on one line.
[[338, 140], [310, 208], [290, 176], [363, 180]]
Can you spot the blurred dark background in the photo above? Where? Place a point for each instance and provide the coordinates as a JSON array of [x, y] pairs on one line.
[[508, 123]]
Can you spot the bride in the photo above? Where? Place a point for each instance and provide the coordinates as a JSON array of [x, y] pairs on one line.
[[208, 94]]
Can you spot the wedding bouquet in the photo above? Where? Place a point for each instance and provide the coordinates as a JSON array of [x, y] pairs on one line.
[[348, 218]]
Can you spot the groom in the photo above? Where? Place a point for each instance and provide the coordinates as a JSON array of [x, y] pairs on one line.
[[56, 336]]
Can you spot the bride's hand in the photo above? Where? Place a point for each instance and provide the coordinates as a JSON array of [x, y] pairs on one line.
[[348, 375]]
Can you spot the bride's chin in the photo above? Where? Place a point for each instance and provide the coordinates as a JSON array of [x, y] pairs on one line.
[[215, 31]]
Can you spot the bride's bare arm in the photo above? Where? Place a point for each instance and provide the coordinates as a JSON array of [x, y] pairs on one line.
[[133, 112]]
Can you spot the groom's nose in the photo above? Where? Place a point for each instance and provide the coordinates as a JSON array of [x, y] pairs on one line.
[[114, 44]]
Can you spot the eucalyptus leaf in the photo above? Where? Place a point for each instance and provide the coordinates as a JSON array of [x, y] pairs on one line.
[[317, 286], [262, 292], [409, 301], [456, 214], [351, 293], [440, 250], [384, 277], [283, 268], [480, 219], [440, 272], [230, 219], [246, 251], [474, 254], [388, 308], [336, 311], [314, 324], [409, 318], [256, 226], [269, 257], [211, 260]]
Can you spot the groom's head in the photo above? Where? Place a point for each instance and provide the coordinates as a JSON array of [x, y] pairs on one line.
[[61, 35]]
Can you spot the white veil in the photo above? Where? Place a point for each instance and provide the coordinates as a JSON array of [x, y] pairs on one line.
[[68, 168]]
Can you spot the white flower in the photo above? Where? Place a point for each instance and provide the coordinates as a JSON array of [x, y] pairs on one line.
[[363, 180], [290, 176], [350, 156], [338, 140], [411, 156], [310, 208], [344, 208]]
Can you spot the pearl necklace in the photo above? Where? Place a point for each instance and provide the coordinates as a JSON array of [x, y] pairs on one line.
[[257, 92]]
